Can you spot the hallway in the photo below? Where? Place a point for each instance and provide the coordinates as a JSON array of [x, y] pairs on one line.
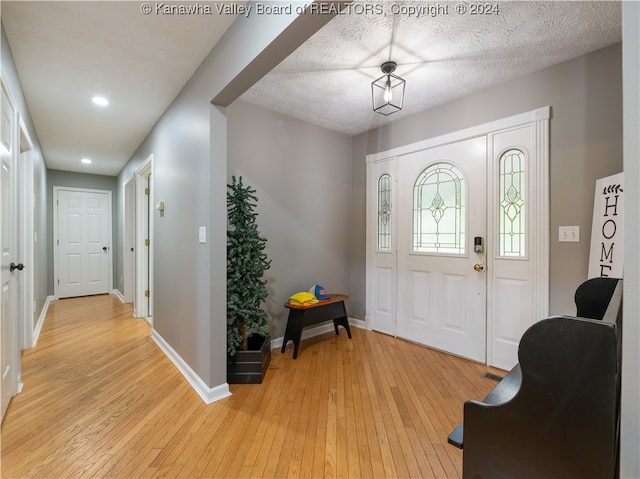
[[101, 400]]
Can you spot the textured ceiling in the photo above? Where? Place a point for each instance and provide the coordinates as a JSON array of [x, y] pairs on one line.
[[327, 81], [65, 52]]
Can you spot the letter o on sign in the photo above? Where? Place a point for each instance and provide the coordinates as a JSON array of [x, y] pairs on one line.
[[609, 229]]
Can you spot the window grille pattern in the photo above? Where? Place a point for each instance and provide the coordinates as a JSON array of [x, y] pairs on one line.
[[512, 224], [439, 210], [384, 213]]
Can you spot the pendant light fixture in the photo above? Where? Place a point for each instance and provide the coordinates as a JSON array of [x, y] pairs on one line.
[[387, 92]]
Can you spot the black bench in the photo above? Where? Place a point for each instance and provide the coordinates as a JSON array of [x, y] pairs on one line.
[[303, 316], [555, 414]]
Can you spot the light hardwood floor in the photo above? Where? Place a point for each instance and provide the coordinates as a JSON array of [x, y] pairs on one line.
[[101, 400]]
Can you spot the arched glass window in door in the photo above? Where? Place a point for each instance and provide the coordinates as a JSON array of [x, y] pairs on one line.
[[439, 210], [512, 224], [384, 213]]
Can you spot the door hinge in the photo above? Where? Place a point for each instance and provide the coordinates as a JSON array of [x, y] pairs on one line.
[[147, 242], [147, 293], [147, 191]]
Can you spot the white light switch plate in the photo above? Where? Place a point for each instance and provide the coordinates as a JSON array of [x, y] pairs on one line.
[[202, 234], [570, 234]]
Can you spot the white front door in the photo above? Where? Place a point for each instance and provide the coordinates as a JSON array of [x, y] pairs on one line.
[[441, 280], [83, 242], [457, 250], [8, 250]]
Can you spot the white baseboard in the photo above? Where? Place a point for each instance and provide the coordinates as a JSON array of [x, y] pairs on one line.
[[208, 394], [118, 294], [317, 331], [41, 318], [358, 323]]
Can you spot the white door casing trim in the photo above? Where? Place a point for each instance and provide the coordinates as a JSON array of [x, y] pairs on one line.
[[57, 189], [540, 114], [539, 209], [27, 235]]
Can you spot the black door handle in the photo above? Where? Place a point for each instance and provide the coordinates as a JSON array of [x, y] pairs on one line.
[[104, 248], [13, 267]]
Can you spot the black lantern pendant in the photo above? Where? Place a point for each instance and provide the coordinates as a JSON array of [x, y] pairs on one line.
[[387, 92]]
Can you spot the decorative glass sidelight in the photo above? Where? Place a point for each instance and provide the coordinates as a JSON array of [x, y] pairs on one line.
[[384, 213], [439, 210], [512, 217]]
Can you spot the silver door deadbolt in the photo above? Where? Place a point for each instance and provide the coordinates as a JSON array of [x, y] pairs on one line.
[[478, 244]]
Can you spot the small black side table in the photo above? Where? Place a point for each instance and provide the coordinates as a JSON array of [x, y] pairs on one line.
[[302, 316]]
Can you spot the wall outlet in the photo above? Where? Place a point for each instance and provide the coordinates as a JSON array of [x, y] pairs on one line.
[[570, 234]]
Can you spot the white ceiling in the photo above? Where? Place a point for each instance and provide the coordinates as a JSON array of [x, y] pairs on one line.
[[65, 52]]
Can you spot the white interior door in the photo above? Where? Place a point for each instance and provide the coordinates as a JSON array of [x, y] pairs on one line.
[[143, 304], [8, 249], [84, 242], [383, 213], [129, 242], [441, 280]]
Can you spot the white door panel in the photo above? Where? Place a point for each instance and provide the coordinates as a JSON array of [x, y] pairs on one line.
[[143, 303], [84, 219], [8, 250], [129, 242], [511, 309], [441, 298], [382, 309]]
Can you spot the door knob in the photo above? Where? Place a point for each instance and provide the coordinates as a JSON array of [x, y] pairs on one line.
[[479, 267], [13, 267], [104, 248]]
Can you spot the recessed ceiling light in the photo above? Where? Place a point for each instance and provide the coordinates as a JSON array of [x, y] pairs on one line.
[[100, 100], [86, 161]]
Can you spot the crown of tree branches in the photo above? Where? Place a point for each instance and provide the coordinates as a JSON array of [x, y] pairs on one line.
[[246, 264]]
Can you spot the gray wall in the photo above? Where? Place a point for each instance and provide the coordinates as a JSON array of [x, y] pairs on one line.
[[41, 246], [586, 144], [189, 144], [180, 146], [302, 175], [85, 181]]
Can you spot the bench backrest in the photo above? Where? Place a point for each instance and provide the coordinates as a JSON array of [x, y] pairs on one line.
[[594, 297]]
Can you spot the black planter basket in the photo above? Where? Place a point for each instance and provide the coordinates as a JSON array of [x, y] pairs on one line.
[[250, 367]]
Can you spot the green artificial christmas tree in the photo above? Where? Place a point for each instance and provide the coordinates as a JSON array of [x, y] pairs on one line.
[[246, 264]]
